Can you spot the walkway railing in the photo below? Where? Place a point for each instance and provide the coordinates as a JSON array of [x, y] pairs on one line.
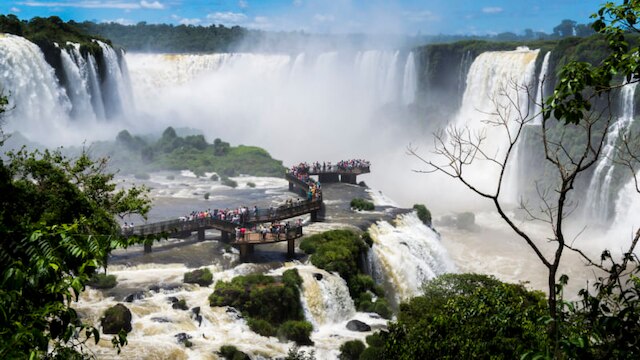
[[263, 216]]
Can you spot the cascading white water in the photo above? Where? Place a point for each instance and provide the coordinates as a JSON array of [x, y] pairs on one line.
[[243, 98], [94, 87], [495, 79], [75, 70], [326, 296], [598, 203], [114, 90], [42, 106], [409, 82], [544, 72], [406, 255], [38, 105]]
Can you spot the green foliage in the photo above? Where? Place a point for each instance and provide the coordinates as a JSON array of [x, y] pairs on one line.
[[230, 352], [468, 316], [298, 331], [202, 277], [351, 350], [423, 213], [57, 224], [261, 327], [362, 204], [267, 303], [102, 281], [229, 182], [340, 251], [171, 152]]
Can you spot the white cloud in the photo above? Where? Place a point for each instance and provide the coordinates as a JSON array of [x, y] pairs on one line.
[[243, 4], [186, 21], [227, 17], [14, 10], [151, 5], [120, 21], [492, 10], [323, 18]]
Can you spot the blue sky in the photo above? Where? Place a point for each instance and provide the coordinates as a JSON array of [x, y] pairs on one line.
[[324, 16]]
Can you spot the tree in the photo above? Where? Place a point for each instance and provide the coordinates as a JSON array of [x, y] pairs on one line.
[[565, 28], [464, 316], [58, 226], [572, 139]]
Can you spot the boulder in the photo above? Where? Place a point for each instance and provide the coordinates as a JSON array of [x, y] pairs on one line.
[[182, 337], [318, 276], [116, 318], [138, 295], [180, 305], [202, 277], [357, 325]]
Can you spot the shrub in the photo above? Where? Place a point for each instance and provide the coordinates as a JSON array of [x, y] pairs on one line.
[[142, 176], [229, 182], [298, 331], [230, 352], [102, 281], [423, 213], [261, 327], [362, 204], [262, 297], [251, 184], [202, 277], [351, 350]]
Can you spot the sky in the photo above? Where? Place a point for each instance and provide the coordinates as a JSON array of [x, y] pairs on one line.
[[426, 17]]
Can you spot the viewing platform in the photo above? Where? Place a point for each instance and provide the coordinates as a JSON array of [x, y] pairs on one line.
[[299, 181]]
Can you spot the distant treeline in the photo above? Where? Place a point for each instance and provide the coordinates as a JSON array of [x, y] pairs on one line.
[[218, 38]]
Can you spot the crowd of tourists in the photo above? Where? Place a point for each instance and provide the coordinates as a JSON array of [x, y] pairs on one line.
[[326, 166], [301, 172]]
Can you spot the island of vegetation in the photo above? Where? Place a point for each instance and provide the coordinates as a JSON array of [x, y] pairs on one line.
[[139, 155]]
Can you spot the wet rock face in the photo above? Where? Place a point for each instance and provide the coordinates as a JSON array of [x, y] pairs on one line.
[[357, 325], [318, 276], [116, 318]]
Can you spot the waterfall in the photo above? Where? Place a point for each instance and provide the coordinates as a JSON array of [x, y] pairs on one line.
[[406, 255], [325, 296], [378, 75], [598, 203], [544, 71], [495, 79], [114, 90], [409, 82], [39, 105], [94, 87], [76, 74]]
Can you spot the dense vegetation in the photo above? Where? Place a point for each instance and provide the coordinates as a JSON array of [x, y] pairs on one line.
[[340, 251], [468, 316], [271, 306], [57, 225], [137, 155]]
